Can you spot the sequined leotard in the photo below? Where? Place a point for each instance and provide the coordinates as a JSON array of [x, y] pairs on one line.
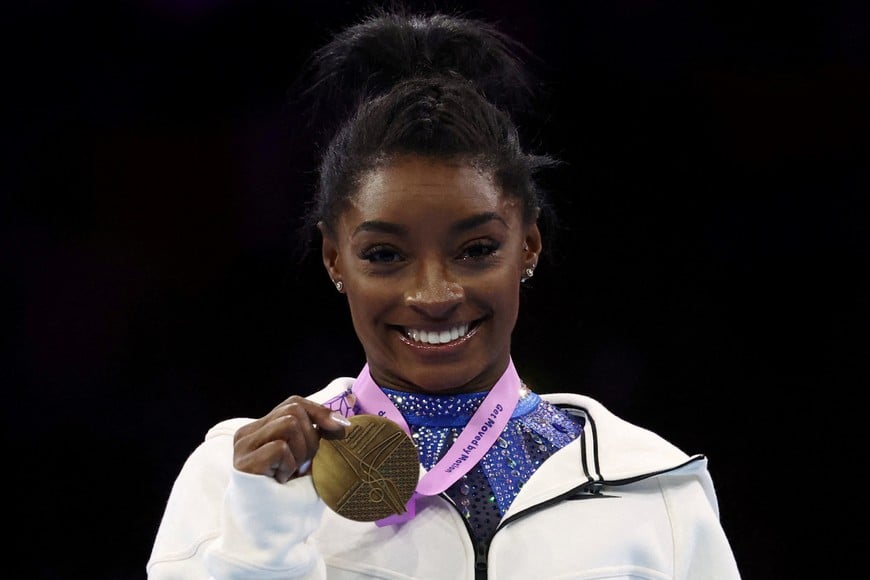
[[535, 431]]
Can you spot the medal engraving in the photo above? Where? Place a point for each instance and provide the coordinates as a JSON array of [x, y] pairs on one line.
[[370, 474]]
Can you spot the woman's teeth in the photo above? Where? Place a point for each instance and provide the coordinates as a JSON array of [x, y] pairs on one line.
[[437, 337]]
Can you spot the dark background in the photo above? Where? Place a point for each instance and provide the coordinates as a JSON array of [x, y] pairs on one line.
[[710, 281]]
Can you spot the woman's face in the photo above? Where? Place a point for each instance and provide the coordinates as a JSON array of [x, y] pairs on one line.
[[430, 255]]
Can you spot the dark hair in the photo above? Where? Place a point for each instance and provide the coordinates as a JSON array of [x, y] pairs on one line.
[[436, 85]]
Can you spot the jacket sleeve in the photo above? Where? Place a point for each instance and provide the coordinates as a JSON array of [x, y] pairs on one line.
[[223, 524]]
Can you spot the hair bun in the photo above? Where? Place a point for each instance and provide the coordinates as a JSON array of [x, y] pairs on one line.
[[370, 57]]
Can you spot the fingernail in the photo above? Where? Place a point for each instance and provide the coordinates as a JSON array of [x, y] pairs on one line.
[[339, 418]]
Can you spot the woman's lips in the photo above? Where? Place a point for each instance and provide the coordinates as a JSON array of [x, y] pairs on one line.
[[437, 336], [448, 336]]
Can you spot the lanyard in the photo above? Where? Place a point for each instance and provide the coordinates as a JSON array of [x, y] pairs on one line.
[[481, 432]]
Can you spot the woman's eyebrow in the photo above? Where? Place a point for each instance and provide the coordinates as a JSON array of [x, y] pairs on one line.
[[462, 225], [476, 220], [380, 226]]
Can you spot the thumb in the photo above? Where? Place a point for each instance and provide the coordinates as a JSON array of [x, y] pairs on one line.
[[331, 424]]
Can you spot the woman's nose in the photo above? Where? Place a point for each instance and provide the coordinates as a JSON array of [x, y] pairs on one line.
[[434, 291]]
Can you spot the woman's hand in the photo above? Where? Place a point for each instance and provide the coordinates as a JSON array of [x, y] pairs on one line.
[[282, 444]]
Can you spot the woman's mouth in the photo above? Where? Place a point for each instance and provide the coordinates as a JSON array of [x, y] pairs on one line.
[[436, 336]]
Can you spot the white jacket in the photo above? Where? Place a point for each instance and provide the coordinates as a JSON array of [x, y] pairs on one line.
[[620, 502]]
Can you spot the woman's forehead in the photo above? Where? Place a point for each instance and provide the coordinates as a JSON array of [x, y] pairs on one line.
[[424, 181]]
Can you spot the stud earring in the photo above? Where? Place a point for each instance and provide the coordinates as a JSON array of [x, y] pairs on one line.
[[339, 285], [527, 273]]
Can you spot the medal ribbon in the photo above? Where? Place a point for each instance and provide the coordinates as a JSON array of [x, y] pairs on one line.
[[481, 432]]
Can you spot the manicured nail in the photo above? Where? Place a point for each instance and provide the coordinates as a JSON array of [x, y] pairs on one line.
[[340, 419]]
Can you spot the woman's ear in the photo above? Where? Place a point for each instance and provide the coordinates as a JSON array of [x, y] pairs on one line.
[[532, 246], [329, 254]]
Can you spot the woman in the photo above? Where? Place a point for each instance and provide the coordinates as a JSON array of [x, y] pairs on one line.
[[429, 215]]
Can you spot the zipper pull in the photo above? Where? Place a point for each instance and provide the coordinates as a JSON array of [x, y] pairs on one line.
[[593, 488]]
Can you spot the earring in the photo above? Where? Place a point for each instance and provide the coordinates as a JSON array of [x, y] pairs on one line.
[[527, 273], [339, 285]]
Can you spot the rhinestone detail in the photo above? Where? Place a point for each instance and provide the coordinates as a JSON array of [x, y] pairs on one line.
[[483, 495]]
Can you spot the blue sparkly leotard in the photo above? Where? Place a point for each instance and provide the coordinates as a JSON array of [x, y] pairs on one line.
[[535, 431]]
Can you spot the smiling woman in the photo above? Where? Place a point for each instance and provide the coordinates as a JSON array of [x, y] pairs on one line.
[[429, 216]]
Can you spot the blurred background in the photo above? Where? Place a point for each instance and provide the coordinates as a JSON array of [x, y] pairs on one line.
[[709, 280]]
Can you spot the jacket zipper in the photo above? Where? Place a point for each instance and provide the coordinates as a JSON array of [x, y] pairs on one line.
[[479, 548]]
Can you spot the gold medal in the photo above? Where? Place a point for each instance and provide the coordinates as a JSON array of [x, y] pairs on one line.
[[371, 473]]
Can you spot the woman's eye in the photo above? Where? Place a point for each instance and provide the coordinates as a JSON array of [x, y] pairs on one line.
[[478, 250], [381, 255]]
